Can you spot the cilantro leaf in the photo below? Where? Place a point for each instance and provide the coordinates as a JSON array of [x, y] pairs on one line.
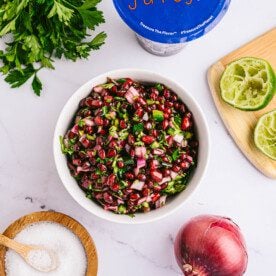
[[43, 29], [37, 85], [91, 18], [88, 4], [138, 128], [16, 78]]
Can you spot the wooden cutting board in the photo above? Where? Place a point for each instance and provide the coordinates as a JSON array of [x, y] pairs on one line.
[[239, 123]]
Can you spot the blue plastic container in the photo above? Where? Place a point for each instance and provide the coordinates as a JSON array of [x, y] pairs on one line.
[[164, 26]]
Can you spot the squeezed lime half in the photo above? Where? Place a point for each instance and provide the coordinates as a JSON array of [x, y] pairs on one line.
[[248, 84], [265, 134]]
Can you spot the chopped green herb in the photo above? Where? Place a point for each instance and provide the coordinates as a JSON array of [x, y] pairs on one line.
[[108, 85], [138, 128], [159, 87], [175, 155], [121, 80]]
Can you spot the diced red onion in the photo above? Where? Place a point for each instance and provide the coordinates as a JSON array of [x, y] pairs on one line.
[[98, 89], [146, 117], [158, 151], [84, 168], [142, 200], [141, 162], [165, 179], [178, 138], [189, 159], [140, 152], [75, 129], [136, 171], [173, 175], [131, 94], [161, 201], [137, 185], [85, 184], [85, 142], [88, 121], [111, 208], [127, 147]]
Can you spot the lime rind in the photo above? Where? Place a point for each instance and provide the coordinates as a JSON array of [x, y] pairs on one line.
[[248, 84], [265, 134]]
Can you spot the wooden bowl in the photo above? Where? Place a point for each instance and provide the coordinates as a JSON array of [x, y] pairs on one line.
[[66, 221]]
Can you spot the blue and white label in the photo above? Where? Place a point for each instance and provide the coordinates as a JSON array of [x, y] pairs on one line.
[[171, 21]]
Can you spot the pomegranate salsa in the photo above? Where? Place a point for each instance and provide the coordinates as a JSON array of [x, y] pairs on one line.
[[131, 145]]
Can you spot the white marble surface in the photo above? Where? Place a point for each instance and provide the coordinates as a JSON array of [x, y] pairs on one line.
[[231, 187]]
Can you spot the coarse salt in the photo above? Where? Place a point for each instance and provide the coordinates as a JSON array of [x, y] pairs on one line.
[[71, 256]]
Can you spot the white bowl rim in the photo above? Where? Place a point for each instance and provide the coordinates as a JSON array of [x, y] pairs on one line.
[[72, 187]]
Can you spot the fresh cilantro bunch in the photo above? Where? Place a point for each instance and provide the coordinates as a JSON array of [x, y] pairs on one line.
[[45, 29]]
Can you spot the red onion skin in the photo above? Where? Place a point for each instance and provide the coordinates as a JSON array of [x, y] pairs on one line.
[[211, 246]]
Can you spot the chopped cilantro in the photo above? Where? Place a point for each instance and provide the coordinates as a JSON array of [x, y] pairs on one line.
[[138, 128]]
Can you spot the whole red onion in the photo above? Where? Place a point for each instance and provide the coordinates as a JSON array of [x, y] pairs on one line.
[[211, 246]]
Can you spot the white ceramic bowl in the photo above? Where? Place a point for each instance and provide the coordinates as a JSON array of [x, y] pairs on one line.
[[69, 182]]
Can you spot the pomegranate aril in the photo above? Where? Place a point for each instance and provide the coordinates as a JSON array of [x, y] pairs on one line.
[[167, 94], [129, 175], [136, 105], [111, 153], [164, 186], [123, 124], [148, 139], [92, 161], [112, 144], [95, 103], [99, 121], [106, 122], [88, 129], [141, 177], [132, 153], [174, 97], [107, 198], [134, 197], [176, 168], [102, 167], [111, 179], [186, 123], [153, 96], [139, 112], [131, 139], [165, 124], [176, 105], [169, 104], [146, 192], [99, 141], [155, 197], [85, 142], [156, 176], [120, 164], [71, 135], [94, 176], [153, 164], [108, 99], [115, 187], [166, 172], [101, 154], [184, 165], [76, 162]]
